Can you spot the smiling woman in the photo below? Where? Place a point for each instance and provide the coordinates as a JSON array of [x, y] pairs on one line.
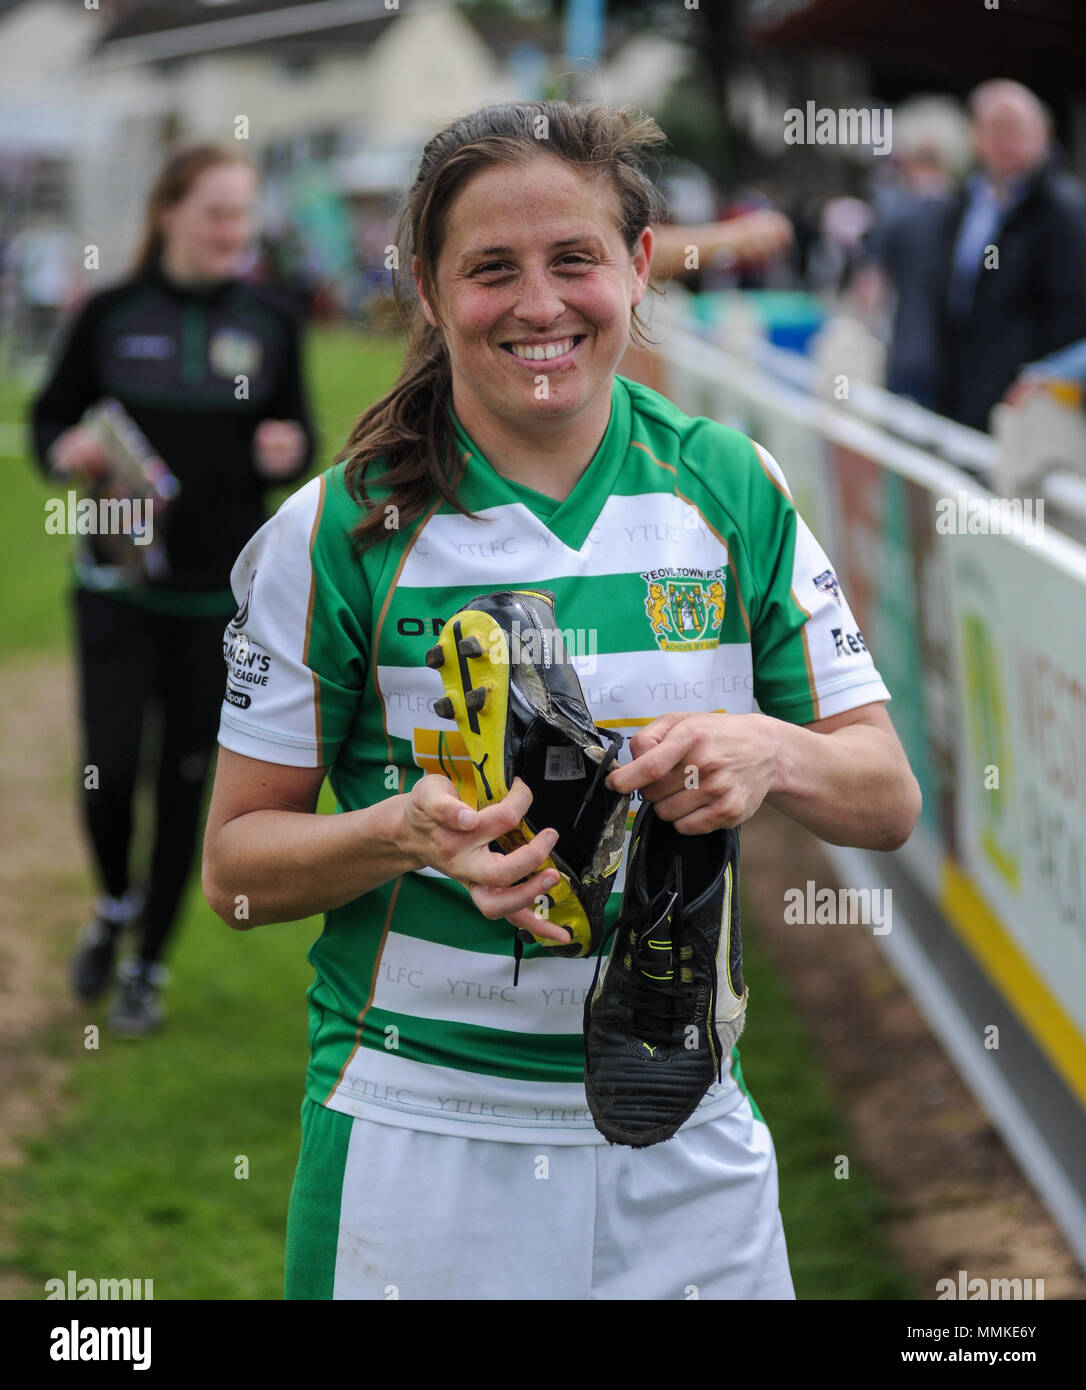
[[528, 236], [448, 1145], [535, 313]]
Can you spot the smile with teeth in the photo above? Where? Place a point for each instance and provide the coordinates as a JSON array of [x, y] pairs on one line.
[[543, 352]]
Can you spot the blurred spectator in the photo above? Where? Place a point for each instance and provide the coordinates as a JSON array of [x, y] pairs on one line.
[[1001, 308], [1068, 365], [170, 343], [842, 226], [902, 276], [42, 259]]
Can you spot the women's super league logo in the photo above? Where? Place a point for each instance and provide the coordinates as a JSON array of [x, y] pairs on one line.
[[685, 607]]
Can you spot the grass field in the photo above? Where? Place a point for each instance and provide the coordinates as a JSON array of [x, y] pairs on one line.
[[139, 1179]]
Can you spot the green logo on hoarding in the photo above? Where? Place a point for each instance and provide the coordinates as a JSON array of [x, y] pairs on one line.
[[991, 746]]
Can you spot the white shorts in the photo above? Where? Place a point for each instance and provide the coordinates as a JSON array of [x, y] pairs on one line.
[[436, 1216]]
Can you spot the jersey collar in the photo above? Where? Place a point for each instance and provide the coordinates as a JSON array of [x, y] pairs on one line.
[[573, 518]]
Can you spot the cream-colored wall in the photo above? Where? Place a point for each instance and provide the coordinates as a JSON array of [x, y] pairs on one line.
[[423, 69], [106, 116], [640, 73], [428, 68], [40, 43]]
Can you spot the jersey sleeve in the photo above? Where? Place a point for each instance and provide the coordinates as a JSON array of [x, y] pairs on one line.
[[297, 650], [810, 657]]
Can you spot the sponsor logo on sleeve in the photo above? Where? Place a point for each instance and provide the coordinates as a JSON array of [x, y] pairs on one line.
[[826, 583], [248, 664], [846, 642]]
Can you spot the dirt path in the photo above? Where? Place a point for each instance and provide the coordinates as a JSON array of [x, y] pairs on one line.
[[44, 887], [963, 1202]]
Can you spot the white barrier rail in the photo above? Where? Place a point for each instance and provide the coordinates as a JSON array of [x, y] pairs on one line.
[[976, 617]]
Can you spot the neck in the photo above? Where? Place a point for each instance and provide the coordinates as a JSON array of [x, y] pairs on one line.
[[1004, 183], [552, 459], [182, 274]]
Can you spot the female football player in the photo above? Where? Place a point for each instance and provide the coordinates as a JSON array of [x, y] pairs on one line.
[[447, 1149]]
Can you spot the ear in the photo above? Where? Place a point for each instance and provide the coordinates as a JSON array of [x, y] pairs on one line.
[[431, 318], [642, 261]]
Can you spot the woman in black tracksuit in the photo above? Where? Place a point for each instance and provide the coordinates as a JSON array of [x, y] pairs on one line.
[[208, 367]]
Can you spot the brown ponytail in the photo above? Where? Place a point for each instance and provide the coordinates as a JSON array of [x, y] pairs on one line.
[[409, 429]]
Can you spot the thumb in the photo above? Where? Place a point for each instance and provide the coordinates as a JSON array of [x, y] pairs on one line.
[[654, 733]]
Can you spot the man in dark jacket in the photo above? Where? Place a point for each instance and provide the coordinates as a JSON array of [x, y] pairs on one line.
[[1012, 283]]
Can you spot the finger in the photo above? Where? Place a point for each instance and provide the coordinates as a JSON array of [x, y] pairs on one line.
[[483, 866], [672, 782], [704, 820], [643, 741], [681, 804], [531, 921], [451, 813], [520, 903], [651, 765], [496, 820], [436, 797], [654, 732]]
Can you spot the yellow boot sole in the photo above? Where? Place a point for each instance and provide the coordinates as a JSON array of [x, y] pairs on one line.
[[473, 659]]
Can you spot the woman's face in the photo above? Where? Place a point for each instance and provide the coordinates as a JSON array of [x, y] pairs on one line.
[[208, 231], [535, 288]]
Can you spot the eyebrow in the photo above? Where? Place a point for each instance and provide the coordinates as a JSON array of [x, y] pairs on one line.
[[486, 251]]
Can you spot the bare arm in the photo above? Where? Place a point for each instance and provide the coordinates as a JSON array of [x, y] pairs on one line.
[[845, 778], [753, 239], [269, 857]]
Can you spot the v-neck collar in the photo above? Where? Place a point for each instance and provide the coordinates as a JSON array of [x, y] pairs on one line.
[[574, 517]]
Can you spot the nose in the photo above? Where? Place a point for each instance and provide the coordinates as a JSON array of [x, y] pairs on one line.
[[538, 302]]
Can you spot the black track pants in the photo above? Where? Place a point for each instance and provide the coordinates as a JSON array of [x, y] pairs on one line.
[[130, 659]]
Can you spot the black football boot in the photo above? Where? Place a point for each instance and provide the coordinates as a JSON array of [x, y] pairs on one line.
[[669, 1002]]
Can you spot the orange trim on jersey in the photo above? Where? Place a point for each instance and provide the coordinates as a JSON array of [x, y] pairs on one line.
[[373, 990], [769, 473], [816, 704], [317, 721], [812, 688], [639, 723], [389, 591], [636, 444]]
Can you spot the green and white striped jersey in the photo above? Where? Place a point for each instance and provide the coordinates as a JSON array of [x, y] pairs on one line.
[[684, 580]]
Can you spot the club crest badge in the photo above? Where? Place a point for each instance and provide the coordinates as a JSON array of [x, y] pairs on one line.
[[232, 353], [685, 607]]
